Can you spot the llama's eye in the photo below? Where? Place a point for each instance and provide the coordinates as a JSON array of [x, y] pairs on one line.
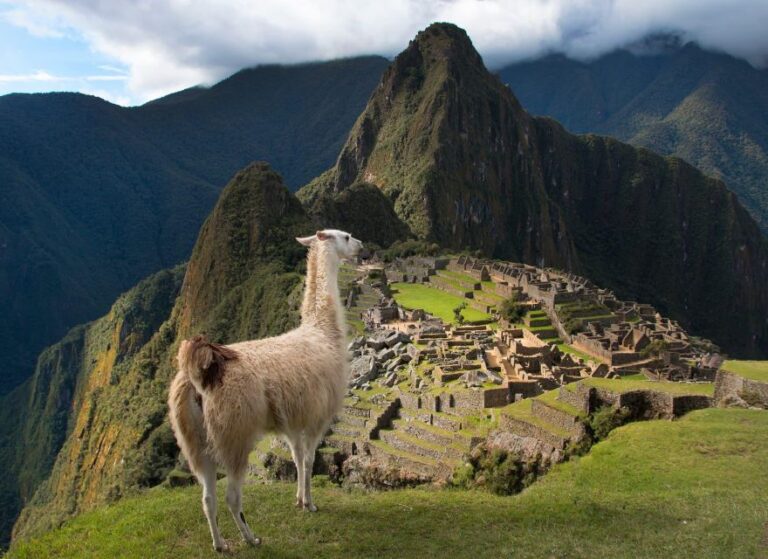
[[347, 238]]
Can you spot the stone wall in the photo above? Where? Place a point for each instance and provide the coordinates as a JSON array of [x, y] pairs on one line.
[[729, 385], [496, 397]]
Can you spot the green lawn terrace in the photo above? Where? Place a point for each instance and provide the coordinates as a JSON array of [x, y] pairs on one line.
[[694, 487], [423, 435], [753, 370], [435, 302]]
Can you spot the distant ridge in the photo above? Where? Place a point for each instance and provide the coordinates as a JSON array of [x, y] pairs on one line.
[[709, 108], [94, 197]]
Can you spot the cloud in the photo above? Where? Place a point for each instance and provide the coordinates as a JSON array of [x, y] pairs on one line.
[[43, 76], [175, 44], [39, 76], [34, 23]]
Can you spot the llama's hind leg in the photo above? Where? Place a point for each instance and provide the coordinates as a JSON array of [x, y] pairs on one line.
[[297, 453], [208, 479], [310, 442], [235, 504]]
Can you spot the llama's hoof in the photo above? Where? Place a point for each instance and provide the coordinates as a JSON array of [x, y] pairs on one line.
[[254, 541], [310, 507], [219, 548], [299, 504]]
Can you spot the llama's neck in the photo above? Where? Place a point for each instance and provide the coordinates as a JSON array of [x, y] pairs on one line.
[[322, 303]]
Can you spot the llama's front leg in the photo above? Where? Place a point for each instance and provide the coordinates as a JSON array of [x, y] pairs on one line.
[[208, 479], [297, 454], [235, 503]]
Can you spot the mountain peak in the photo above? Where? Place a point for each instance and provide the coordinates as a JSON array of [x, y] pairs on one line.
[[251, 230], [446, 39], [439, 45]]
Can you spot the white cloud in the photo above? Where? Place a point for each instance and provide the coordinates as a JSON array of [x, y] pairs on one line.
[[178, 43], [39, 76], [34, 23]]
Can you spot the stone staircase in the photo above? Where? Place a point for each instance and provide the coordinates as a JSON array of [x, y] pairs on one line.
[[429, 443], [358, 423]]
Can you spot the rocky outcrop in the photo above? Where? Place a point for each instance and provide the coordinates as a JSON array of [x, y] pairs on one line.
[[732, 389], [379, 355]]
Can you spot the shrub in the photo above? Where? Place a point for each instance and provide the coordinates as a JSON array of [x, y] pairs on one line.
[[606, 419], [410, 247], [499, 471], [512, 310], [573, 325], [458, 316]]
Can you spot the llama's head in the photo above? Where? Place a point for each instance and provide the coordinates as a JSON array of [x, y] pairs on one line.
[[346, 246]]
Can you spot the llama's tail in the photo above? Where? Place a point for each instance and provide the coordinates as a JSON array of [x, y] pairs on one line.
[[186, 415], [204, 362]]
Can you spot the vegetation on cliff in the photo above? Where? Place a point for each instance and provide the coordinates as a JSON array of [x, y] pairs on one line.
[[39, 415]]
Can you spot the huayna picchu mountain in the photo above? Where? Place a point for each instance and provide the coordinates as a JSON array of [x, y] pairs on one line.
[[465, 166]]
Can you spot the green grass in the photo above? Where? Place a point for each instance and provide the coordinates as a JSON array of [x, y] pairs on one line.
[[755, 370], [459, 276], [635, 376], [550, 397], [657, 489], [565, 348], [624, 385], [433, 301], [522, 410]]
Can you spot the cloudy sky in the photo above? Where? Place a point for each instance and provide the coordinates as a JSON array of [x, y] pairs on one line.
[[130, 51]]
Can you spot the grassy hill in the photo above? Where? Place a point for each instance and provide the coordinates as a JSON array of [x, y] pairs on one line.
[[688, 488], [709, 108], [96, 197]]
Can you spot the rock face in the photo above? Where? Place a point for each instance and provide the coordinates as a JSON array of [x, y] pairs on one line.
[[464, 165], [379, 354], [56, 400], [732, 389]]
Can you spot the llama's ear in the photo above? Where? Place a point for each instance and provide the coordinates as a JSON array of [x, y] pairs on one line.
[[306, 241], [322, 235]]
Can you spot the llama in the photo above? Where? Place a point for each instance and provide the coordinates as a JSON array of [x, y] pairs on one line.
[[225, 397]]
